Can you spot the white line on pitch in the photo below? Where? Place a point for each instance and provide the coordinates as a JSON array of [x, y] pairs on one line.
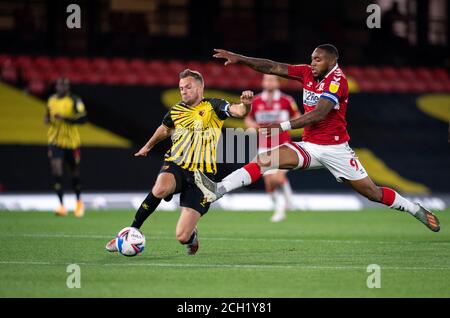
[[232, 266], [89, 236]]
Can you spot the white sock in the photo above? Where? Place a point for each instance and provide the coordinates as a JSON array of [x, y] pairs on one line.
[[280, 205], [236, 179], [287, 191], [402, 204]]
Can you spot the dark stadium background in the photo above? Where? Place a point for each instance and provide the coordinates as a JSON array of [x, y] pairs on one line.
[[128, 53]]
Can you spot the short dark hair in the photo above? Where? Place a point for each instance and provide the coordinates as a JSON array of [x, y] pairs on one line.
[[187, 72], [330, 49]]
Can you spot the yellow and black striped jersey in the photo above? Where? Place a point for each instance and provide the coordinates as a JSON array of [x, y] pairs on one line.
[[64, 133], [197, 130]]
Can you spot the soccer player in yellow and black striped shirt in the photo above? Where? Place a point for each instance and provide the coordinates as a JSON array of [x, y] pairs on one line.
[[195, 126], [64, 112]]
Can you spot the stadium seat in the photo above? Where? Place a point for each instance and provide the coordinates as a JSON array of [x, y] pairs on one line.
[[129, 79], [62, 64], [176, 66], [137, 65], [9, 74], [100, 65], [213, 69], [43, 63], [23, 62], [424, 73], [92, 78], [389, 72], [119, 65], [37, 87], [147, 78], [74, 77], [4, 58], [440, 74], [372, 73], [157, 66], [82, 65]]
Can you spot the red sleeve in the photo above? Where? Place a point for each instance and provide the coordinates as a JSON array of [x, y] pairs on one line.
[[298, 71], [334, 89]]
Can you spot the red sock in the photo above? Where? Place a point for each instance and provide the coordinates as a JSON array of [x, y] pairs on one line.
[[253, 170], [388, 197]]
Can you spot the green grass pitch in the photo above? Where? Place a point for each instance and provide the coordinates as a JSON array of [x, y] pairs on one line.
[[311, 254]]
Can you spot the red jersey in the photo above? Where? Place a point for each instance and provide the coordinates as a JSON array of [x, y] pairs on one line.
[[282, 107], [334, 87]]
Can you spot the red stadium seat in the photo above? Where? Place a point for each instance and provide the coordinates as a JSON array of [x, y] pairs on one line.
[[213, 69], [176, 66], [407, 73], [157, 66], [92, 78], [355, 71], [43, 63], [75, 77], [4, 58], [100, 64], [440, 74], [37, 87], [111, 79], [23, 62], [138, 65], [129, 79], [62, 64], [424, 73], [147, 78], [120, 65], [82, 65], [9, 74], [373, 73], [195, 66], [389, 72]]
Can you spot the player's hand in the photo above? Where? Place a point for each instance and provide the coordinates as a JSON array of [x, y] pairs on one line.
[[230, 57], [58, 117], [269, 130], [247, 97], [142, 152]]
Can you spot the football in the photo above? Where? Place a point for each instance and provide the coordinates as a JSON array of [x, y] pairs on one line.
[[130, 241]]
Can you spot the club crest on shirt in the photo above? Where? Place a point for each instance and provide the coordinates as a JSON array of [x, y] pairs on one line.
[[334, 86]]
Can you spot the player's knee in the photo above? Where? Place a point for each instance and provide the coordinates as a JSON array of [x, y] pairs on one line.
[[183, 236], [161, 191], [264, 160]]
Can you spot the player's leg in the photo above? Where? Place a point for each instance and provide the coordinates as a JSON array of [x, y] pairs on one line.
[[392, 199], [274, 180], [186, 231], [343, 163], [193, 206], [57, 168], [164, 186], [73, 159], [287, 190], [283, 157]]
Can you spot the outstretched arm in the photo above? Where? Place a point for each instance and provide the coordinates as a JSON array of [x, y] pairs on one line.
[[324, 106], [260, 65], [241, 110], [161, 133]]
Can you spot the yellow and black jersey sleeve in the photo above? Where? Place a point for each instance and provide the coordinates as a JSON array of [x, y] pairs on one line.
[[167, 120], [220, 106]]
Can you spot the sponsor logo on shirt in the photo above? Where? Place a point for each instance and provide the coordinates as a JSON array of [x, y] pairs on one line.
[[310, 98], [334, 86]]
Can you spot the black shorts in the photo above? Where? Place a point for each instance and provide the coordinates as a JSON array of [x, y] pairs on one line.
[[70, 156], [190, 195]]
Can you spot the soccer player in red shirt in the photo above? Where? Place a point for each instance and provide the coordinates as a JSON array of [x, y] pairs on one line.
[[272, 106], [325, 138]]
